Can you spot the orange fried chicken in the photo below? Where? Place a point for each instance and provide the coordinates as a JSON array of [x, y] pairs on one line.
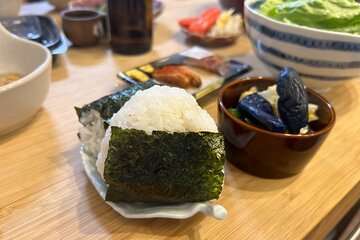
[[179, 76]]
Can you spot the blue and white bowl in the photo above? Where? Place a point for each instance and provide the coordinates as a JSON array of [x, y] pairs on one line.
[[323, 58]]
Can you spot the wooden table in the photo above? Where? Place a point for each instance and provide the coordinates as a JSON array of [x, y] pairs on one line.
[[45, 194]]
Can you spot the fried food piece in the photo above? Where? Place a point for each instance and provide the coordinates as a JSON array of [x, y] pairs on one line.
[[195, 79], [179, 76], [213, 64]]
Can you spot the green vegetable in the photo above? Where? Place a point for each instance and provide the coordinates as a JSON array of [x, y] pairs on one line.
[[164, 167], [110, 104], [333, 15], [234, 112]]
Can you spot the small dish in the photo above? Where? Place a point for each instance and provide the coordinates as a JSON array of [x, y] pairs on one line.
[[268, 154], [209, 40], [149, 210]]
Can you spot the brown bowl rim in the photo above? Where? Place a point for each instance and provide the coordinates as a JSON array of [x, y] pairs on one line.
[[323, 131], [64, 14]]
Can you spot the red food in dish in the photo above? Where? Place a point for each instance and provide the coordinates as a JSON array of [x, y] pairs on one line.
[[209, 12], [186, 22], [203, 23]]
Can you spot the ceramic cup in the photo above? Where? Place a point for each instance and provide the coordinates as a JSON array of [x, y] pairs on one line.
[[83, 27]]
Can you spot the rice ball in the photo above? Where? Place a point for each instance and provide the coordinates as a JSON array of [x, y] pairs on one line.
[[159, 108]]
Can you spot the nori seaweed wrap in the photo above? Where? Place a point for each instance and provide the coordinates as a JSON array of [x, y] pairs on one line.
[[164, 167], [96, 115], [159, 147], [110, 104]]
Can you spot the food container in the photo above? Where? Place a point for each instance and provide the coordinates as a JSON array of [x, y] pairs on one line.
[[22, 98], [323, 58], [264, 153]]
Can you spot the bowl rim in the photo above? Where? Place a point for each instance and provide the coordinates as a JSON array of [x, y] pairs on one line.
[[36, 71], [209, 38], [303, 28], [65, 17], [323, 131]]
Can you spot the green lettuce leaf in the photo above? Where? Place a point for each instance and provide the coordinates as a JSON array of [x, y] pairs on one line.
[[332, 15]]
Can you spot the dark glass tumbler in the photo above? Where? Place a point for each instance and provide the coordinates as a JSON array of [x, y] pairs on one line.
[[131, 23]]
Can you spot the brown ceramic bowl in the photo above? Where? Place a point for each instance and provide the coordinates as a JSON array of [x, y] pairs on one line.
[[263, 153]]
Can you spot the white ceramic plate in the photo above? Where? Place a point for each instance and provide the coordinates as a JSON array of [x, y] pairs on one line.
[[150, 210]]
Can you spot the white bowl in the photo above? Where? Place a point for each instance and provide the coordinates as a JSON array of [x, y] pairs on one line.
[[323, 58], [9, 7], [21, 99]]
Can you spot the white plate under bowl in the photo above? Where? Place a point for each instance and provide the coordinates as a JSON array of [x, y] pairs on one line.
[[150, 210]]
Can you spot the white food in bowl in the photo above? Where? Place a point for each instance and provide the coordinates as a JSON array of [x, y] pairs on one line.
[[228, 24], [323, 58], [21, 99]]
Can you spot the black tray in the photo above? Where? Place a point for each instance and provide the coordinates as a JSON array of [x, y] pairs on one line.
[[50, 34], [211, 81], [41, 29], [24, 26]]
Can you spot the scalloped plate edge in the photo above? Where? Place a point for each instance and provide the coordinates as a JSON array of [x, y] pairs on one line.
[[149, 210]]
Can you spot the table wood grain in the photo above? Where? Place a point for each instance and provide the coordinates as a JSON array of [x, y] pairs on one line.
[[45, 193]]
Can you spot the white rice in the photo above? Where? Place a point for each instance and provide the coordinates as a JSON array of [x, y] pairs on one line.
[[160, 108], [92, 133]]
